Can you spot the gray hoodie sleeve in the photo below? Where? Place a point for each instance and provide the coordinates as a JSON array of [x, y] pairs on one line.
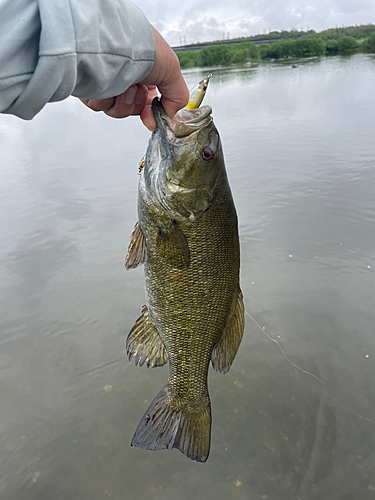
[[50, 49]]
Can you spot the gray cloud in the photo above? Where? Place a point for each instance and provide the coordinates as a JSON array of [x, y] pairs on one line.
[[203, 21]]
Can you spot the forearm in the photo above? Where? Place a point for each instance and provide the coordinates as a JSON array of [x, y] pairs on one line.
[[49, 50]]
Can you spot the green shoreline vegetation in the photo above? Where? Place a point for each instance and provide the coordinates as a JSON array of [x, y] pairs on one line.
[[307, 44]]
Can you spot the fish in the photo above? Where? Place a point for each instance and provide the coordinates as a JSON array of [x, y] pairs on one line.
[[187, 238], [196, 96], [197, 93]]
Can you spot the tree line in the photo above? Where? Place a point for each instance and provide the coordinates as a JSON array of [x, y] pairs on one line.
[[307, 46], [357, 32]]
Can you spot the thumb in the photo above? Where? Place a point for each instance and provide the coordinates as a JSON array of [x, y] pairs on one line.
[[174, 94], [166, 75]]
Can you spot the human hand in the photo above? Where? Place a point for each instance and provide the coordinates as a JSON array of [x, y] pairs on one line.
[[136, 100]]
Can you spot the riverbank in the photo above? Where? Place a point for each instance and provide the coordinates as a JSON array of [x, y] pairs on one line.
[[248, 52]]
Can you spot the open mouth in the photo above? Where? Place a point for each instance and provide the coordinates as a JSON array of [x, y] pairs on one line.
[[184, 123]]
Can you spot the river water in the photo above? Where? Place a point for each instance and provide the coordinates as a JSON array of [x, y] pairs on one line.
[[300, 153]]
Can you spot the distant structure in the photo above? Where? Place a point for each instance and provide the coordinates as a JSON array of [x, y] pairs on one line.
[[275, 36], [199, 46]]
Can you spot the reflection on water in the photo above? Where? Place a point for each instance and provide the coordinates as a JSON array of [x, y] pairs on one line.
[[300, 155]]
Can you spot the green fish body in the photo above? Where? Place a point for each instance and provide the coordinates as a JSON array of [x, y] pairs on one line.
[[187, 237]]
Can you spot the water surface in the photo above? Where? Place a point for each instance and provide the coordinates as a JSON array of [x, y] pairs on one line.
[[300, 152]]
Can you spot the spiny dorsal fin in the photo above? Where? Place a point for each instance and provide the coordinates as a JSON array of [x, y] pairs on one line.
[[136, 254], [225, 350], [144, 344], [173, 245]]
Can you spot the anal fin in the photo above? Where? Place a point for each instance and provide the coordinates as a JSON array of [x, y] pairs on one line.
[[136, 254], [144, 344], [226, 348]]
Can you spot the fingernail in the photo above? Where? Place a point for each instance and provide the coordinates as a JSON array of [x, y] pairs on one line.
[[140, 97], [130, 94]]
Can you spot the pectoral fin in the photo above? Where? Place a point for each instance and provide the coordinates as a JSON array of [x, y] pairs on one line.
[[225, 350], [137, 249], [144, 344], [173, 245]]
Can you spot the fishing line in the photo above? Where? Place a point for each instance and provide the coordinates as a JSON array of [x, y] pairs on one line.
[[308, 373]]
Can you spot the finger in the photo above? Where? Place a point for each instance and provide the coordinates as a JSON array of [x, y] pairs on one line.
[[174, 95], [140, 99], [166, 74], [147, 117], [152, 92], [172, 87], [124, 104], [121, 108], [129, 103], [99, 105]]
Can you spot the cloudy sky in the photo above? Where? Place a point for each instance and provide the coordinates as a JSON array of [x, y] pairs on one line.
[[199, 21]]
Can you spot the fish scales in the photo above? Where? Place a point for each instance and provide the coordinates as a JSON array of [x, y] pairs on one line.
[[193, 297], [197, 299]]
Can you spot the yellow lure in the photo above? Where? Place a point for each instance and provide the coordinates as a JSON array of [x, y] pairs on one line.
[[197, 93]]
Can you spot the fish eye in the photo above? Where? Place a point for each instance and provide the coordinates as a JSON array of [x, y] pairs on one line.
[[208, 153]]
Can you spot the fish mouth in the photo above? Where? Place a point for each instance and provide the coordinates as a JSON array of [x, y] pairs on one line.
[[163, 122], [183, 124]]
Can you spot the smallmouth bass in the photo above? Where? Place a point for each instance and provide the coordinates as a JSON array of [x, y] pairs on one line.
[[187, 237]]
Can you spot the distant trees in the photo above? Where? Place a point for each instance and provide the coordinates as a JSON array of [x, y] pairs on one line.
[[301, 47], [215, 55], [357, 32], [343, 44], [332, 46], [188, 59], [369, 42], [334, 41], [346, 43], [219, 55], [309, 46]]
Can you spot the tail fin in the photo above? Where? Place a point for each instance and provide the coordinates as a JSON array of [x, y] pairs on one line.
[[163, 427]]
